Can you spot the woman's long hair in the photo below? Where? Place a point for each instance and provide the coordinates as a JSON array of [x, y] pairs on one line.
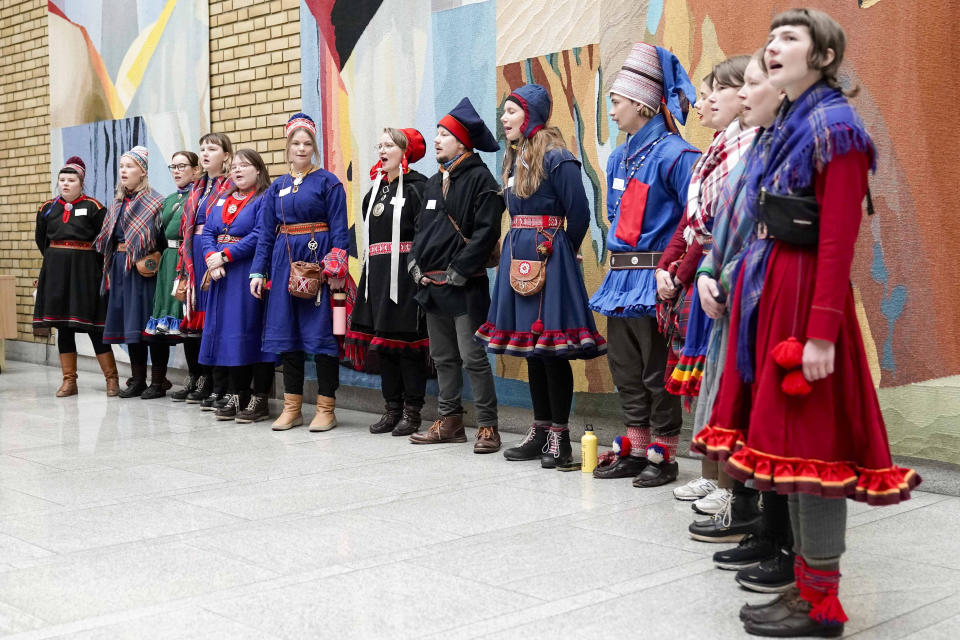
[[527, 155], [263, 178]]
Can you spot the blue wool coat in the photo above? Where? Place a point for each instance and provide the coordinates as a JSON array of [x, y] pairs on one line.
[[234, 318], [295, 324], [661, 162]]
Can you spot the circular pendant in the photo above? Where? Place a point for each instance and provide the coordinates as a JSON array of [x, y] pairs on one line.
[[312, 245], [298, 181], [68, 206], [378, 209], [232, 209]]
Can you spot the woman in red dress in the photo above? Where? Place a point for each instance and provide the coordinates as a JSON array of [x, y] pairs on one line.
[[796, 369]]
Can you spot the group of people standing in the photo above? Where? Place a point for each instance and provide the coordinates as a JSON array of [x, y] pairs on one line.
[[728, 281]]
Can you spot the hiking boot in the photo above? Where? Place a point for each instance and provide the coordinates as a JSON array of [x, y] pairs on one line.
[[201, 391], [488, 440], [410, 421], [444, 429], [189, 386], [389, 420], [557, 452], [531, 447], [256, 410]]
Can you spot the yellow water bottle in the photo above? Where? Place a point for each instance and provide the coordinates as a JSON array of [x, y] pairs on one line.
[[588, 450]]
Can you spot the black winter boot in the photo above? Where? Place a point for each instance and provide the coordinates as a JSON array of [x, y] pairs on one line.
[[531, 447], [201, 391], [557, 452], [137, 383], [389, 419], [409, 422], [180, 395]]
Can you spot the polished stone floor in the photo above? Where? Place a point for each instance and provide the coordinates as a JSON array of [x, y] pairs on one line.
[[148, 519]]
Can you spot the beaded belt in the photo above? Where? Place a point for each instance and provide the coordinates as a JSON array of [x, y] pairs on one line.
[[173, 244], [197, 230], [121, 247], [381, 248], [536, 222], [71, 244], [634, 260], [303, 228], [226, 238]]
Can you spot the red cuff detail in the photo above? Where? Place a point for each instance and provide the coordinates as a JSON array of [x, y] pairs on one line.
[[209, 254], [824, 323], [226, 253]]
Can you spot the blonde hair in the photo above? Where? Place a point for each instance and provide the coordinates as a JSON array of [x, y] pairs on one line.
[[315, 158], [143, 186], [222, 140], [528, 158], [397, 136]]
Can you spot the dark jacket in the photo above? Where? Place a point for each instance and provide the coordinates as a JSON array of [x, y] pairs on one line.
[[475, 204]]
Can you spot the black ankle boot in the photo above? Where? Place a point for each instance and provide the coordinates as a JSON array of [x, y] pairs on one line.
[[391, 416], [201, 391], [532, 446], [134, 388], [409, 423], [180, 395], [558, 451], [233, 407], [155, 390], [257, 409]]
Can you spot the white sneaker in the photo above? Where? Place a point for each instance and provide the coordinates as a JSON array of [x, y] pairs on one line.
[[695, 489], [713, 502]]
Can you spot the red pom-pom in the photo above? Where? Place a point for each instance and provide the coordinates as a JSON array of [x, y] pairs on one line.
[[622, 446], [794, 384], [789, 353], [537, 327]]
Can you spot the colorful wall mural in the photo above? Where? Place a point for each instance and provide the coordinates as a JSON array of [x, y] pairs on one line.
[[122, 73], [368, 64]]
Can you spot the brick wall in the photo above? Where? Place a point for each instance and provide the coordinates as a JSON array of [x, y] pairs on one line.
[[254, 86], [255, 73], [24, 145]]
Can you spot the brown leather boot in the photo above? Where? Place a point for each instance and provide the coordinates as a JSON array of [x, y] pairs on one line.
[[444, 429], [68, 364], [488, 440], [324, 419], [109, 367], [291, 416]]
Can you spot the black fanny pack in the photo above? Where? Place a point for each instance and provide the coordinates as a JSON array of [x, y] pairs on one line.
[[790, 219]]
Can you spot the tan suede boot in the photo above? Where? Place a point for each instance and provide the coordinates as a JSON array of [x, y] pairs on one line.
[[291, 416], [324, 420], [109, 367], [68, 364]]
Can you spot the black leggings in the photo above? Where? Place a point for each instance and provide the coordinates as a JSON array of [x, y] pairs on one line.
[[551, 389], [191, 351], [67, 341], [261, 374], [403, 378], [328, 373], [159, 357]]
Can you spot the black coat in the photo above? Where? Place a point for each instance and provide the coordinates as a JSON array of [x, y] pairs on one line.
[[475, 203], [378, 313]]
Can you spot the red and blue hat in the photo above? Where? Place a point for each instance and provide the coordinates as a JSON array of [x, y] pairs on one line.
[[535, 102], [300, 121], [75, 164], [465, 124]]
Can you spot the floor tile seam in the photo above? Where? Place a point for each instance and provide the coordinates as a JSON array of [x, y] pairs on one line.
[[13, 455], [880, 556], [903, 615], [685, 576], [944, 498]]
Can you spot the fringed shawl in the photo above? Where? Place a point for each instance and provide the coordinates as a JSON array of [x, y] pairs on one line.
[[141, 228]]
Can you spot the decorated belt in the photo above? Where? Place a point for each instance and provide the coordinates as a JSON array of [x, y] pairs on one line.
[[121, 247], [304, 228], [381, 248], [197, 230], [536, 222], [226, 238], [72, 244], [634, 260], [173, 244]]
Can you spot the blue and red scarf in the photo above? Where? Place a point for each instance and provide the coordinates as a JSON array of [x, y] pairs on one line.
[[808, 133]]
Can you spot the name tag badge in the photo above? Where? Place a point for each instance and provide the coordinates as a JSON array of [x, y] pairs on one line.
[[79, 212], [284, 192], [221, 201], [431, 204], [510, 182], [619, 184]]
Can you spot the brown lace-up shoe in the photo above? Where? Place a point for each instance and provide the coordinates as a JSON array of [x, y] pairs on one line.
[[488, 440], [444, 429]]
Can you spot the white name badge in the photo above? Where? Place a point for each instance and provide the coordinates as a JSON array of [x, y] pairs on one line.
[[431, 204], [510, 182], [221, 201], [79, 212], [619, 184], [284, 192]]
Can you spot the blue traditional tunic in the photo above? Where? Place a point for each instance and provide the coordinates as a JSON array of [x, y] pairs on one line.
[[569, 330], [647, 180], [296, 324], [131, 295], [234, 318]]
